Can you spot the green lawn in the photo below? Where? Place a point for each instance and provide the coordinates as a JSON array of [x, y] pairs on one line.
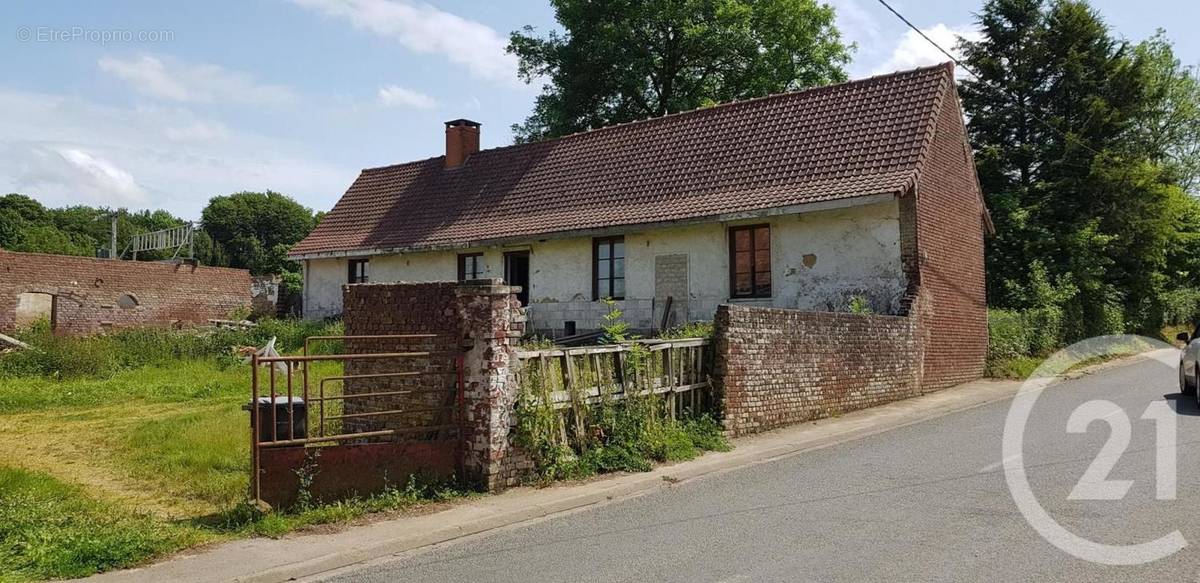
[[107, 463]]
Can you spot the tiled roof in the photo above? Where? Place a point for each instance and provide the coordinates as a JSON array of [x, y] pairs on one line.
[[847, 140]]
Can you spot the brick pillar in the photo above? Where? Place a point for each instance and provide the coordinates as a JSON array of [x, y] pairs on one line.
[[492, 322]]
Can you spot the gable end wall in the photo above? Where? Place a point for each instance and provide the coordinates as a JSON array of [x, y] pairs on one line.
[[949, 241]]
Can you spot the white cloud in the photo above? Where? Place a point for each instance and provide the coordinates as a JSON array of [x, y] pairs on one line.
[[422, 28], [913, 51], [397, 96], [68, 150], [47, 167], [171, 79]]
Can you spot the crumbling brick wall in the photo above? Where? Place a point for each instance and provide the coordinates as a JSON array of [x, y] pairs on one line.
[[92, 295], [775, 367], [479, 321]]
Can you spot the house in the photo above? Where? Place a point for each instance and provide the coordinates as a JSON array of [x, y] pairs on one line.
[[860, 191]]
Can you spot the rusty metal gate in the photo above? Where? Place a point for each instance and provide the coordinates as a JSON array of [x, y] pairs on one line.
[[329, 426]]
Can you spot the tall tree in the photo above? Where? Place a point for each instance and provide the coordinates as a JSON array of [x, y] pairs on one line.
[[254, 230], [1063, 122], [1170, 130], [624, 60]]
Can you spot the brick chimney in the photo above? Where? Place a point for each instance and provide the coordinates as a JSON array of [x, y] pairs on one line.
[[462, 140]]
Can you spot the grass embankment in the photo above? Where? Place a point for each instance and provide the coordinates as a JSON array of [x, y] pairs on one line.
[[119, 449], [1021, 341]]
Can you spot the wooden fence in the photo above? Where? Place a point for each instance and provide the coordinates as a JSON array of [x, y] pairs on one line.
[[678, 369]]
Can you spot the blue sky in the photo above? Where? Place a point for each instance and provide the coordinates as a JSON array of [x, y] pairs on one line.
[[151, 104]]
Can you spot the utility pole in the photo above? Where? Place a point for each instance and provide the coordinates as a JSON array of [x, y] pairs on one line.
[[112, 241]]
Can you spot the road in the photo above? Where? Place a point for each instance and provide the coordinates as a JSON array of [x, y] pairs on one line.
[[926, 502]]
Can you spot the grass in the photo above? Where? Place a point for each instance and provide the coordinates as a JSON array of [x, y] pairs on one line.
[[50, 529], [109, 462], [1016, 368], [196, 454]]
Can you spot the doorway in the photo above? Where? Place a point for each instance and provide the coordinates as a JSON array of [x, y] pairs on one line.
[[33, 307], [516, 272]]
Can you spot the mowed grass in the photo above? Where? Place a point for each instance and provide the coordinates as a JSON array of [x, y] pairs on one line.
[[49, 529], [138, 458]]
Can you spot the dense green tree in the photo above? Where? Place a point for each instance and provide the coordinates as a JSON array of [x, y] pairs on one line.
[[1170, 128], [254, 230], [630, 59], [1081, 177]]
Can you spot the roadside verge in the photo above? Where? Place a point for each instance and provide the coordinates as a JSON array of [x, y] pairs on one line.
[[269, 560]]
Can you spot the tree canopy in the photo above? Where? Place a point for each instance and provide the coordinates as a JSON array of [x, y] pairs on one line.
[[1084, 145], [248, 230], [625, 60], [254, 230]]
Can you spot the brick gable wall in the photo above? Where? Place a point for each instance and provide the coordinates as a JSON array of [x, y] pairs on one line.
[[87, 291], [949, 240]]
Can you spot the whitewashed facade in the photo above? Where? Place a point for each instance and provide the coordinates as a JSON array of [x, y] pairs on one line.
[[821, 255]]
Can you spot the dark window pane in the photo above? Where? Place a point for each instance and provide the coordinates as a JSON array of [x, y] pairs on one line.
[[762, 238], [741, 240], [602, 250], [742, 284], [604, 287], [618, 249], [602, 270], [618, 288], [762, 279], [762, 260], [741, 262], [618, 268]]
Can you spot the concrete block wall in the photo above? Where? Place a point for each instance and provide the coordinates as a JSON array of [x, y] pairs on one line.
[[92, 295], [776, 367]]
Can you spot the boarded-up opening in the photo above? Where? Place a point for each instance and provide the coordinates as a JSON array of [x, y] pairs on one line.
[[32, 307]]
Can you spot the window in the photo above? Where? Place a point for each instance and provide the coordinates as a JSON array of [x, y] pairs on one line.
[[470, 266], [608, 268], [750, 261], [359, 270]]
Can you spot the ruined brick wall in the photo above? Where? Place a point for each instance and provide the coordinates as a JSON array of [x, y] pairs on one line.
[[775, 367], [479, 321], [949, 240], [92, 295]]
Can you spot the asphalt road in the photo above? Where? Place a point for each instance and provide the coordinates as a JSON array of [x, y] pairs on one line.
[[926, 502]]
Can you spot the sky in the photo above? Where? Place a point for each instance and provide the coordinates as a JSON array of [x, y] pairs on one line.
[[151, 104]]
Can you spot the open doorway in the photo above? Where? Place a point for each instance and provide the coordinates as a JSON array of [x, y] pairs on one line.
[[516, 272], [33, 306]]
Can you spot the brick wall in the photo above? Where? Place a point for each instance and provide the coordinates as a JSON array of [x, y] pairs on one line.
[[91, 295], [387, 309], [949, 238], [775, 367], [479, 320]]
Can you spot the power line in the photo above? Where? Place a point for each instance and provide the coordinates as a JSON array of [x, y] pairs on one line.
[[931, 41], [979, 78]]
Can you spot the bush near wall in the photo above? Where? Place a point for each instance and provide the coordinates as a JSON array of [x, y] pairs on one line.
[[1019, 339]]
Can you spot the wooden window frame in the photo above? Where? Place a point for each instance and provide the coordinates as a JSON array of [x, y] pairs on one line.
[[755, 292], [462, 266], [596, 243], [352, 274]]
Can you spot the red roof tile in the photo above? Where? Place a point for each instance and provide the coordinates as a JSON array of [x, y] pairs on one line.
[[852, 139]]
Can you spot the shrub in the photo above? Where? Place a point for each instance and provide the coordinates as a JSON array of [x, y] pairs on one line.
[[1008, 335], [103, 355], [702, 329], [1181, 306], [1044, 328]]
